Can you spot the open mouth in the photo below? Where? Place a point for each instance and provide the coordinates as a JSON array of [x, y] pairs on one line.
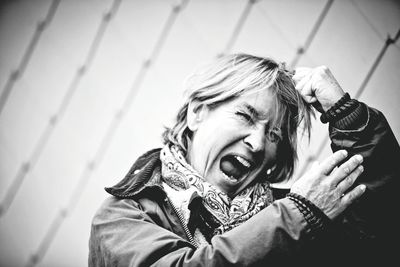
[[235, 167]]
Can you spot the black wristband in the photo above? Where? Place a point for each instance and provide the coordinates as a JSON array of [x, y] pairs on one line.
[[315, 217], [343, 107]]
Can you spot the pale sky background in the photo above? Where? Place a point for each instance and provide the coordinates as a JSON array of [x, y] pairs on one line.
[[87, 86]]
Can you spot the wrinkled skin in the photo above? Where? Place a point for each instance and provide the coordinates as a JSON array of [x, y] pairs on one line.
[[232, 129]]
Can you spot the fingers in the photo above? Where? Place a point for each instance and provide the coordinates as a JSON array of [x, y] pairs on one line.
[[306, 90], [351, 196], [300, 72], [347, 182], [304, 84], [348, 170], [332, 161], [301, 76]]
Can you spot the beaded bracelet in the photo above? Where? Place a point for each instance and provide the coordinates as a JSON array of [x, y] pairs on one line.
[[312, 214], [343, 107]]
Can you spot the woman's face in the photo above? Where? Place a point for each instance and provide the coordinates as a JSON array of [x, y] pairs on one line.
[[233, 144]]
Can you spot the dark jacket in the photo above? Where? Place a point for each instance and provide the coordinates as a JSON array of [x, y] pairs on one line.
[[138, 226]]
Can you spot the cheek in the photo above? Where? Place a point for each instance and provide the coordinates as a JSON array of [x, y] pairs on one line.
[[210, 141], [222, 131]]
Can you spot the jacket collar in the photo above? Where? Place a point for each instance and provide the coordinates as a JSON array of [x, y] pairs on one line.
[[144, 174]]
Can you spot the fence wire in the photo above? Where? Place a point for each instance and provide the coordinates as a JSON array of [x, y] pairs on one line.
[[301, 50], [17, 74], [91, 166], [44, 137], [238, 27]]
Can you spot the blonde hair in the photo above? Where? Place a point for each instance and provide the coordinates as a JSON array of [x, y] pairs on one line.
[[232, 76]]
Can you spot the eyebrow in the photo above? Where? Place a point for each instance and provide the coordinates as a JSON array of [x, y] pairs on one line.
[[260, 116], [254, 112]]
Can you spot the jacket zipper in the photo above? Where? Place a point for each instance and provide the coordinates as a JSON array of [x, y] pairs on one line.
[[185, 228]]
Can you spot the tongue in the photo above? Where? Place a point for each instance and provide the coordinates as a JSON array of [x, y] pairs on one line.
[[230, 168]]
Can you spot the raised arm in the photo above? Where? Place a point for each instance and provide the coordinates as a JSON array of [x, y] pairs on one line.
[[359, 129]]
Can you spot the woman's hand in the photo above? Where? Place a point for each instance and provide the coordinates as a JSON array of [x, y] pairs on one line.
[[327, 184], [318, 87]]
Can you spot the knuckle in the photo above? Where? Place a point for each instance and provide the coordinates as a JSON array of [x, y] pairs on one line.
[[333, 162], [351, 179], [346, 170], [356, 173], [338, 194], [355, 161], [326, 183], [360, 169]]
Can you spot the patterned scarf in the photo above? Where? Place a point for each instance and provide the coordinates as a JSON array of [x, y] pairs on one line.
[[181, 181]]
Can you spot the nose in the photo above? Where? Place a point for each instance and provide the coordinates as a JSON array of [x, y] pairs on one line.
[[255, 139]]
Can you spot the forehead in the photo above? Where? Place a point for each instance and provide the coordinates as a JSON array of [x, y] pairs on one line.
[[260, 103]]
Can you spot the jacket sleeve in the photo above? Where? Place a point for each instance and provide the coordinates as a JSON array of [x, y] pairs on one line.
[[373, 217], [124, 235]]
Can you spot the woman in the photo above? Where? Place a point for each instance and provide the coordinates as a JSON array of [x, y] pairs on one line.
[[205, 198]]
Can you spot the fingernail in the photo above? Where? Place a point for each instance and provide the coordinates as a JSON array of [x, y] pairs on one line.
[[359, 158], [363, 187], [361, 168], [344, 152]]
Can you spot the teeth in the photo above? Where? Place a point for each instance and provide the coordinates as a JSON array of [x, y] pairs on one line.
[[233, 179], [243, 161]]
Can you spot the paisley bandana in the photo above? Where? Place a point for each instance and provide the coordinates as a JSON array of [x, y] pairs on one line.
[[182, 181]]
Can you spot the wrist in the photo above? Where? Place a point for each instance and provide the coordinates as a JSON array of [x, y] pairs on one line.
[[344, 106], [314, 216], [332, 101]]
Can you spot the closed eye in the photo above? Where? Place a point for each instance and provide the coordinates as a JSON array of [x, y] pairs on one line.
[[245, 116]]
